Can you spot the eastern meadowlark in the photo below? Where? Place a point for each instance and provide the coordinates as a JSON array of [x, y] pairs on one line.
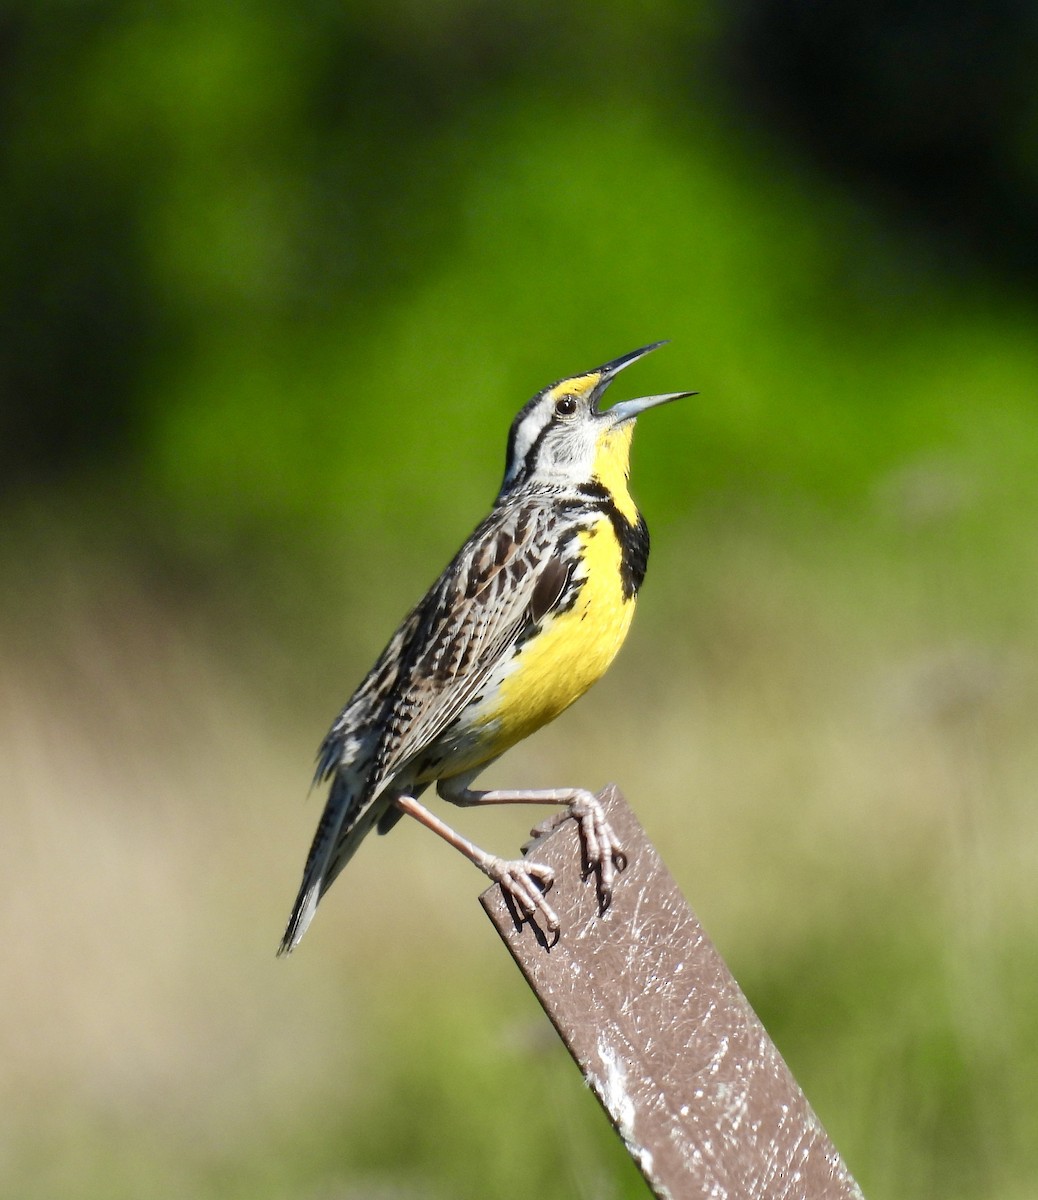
[[528, 614]]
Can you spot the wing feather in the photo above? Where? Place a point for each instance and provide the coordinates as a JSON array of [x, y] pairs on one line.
[[480, 607], [343, 743], [502, 582]]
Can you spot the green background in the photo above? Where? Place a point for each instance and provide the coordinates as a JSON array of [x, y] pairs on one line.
[[273, 281]]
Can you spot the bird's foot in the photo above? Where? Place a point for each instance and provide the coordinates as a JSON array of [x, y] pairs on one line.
[[603, 853], [525, 884]]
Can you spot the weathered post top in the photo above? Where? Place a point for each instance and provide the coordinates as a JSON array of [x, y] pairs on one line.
[[664, 1036]]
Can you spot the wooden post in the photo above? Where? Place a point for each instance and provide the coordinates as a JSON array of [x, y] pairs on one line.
[[663, 1035]]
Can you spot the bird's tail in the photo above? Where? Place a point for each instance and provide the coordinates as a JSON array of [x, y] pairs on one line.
[[347, 818]]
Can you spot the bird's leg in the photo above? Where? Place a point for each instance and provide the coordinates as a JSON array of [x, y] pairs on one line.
[[602, 848], [525, 882]]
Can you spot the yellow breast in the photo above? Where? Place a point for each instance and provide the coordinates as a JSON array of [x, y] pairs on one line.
[[572, 650]]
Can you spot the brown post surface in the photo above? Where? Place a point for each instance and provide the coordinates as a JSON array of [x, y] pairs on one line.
[[658, 1026]]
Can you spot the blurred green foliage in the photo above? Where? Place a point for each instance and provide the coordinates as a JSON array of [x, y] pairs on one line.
[[273, 281], [264, 249]]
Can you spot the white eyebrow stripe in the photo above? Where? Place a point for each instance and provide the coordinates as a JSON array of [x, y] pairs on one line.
[[525, 436]]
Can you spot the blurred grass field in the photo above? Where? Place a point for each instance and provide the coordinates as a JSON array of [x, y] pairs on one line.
[[279, 287], [828, 735]]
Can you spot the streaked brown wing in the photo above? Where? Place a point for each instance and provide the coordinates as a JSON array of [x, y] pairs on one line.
[[506, 576], [366, 707]]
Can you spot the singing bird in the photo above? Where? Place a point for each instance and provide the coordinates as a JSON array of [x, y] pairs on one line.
[[525, 618]]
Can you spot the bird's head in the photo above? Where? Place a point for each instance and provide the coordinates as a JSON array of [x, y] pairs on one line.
[[561, 438]]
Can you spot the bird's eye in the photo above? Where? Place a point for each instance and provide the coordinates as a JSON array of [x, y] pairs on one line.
[[565, 406]]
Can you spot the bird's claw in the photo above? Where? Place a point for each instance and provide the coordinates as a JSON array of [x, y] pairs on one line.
[[525, 883], [602, 850]]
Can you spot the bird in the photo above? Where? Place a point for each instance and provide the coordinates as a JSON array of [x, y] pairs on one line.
[[528, 614]]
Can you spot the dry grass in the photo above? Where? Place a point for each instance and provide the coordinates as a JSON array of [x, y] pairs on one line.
[[838, 766]]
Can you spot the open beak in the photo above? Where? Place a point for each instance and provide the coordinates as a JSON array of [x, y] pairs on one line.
[[627, 410]]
